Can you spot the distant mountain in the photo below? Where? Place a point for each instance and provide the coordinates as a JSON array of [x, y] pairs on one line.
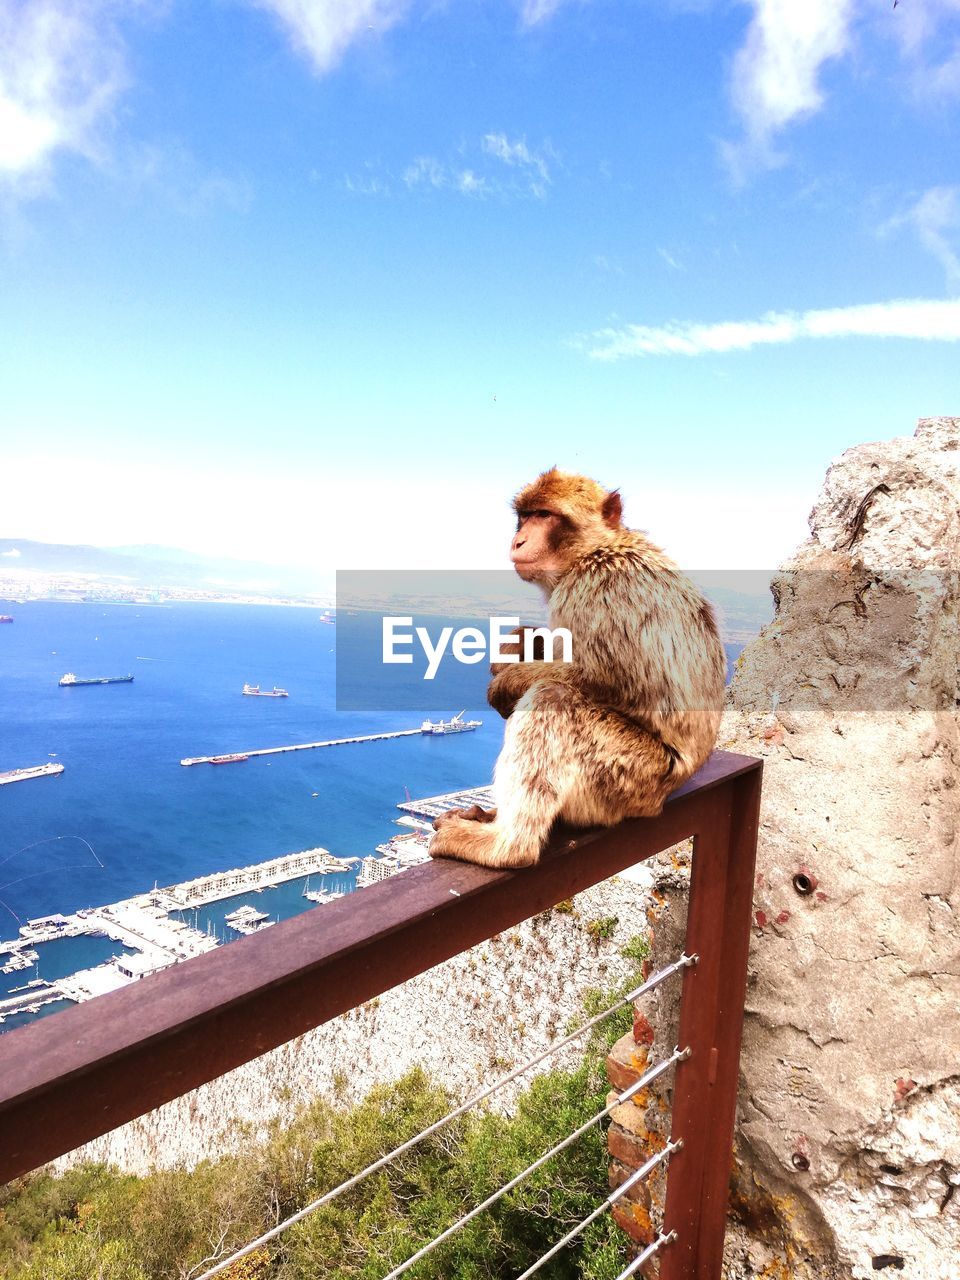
[[153, 566]]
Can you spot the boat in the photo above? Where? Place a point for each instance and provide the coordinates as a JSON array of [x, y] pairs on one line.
[[456, 725], [254, 691], [229, 759], [5, 617], [69, 680], [36, 771], [319, 896], [248, 920]]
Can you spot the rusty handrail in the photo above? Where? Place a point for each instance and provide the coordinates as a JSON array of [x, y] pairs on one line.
[[68, 1079]]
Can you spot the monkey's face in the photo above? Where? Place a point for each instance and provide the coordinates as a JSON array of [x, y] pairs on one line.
[[538, 548]]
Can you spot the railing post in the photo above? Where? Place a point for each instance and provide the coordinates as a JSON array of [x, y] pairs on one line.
[[711, 1023]]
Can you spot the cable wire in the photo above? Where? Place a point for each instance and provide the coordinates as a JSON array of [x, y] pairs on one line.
[[650, 984], [647, 1078], [647, 1254], [638, 1176]]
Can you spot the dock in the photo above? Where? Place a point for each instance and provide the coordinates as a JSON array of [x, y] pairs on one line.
[[300, 746]]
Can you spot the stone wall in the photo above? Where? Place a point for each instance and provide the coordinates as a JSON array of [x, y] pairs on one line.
[[848, 1136], [849, 1128]]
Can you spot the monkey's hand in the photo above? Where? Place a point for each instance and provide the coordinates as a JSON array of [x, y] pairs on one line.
[[473, 814], [516, 646], [514, 679]]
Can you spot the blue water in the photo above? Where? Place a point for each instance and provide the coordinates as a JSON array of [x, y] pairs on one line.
[[124, 792]]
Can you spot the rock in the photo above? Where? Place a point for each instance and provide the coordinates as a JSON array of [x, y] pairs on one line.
[[849, 1126]]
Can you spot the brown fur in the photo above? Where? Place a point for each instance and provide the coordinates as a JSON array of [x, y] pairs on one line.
[[609, 735]]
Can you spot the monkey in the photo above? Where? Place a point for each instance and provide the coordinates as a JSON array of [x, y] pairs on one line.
[[611, 733]]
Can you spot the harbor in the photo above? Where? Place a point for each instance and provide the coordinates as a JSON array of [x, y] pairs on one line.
[[129, 940], [153, 930]]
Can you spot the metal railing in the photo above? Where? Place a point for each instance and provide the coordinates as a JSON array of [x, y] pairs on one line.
[[73, 1077]]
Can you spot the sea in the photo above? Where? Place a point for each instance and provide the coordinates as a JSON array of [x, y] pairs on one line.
[[125, 815]]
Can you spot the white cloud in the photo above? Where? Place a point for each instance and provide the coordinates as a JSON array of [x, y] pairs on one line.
[[61, 70], [919, 318], [518, 155], [170, 170], [325, 29], [426, 171], [469, 184], [930, 47], [366, 186], [12, 554], [533, 12], [776, 72], [935, 218]]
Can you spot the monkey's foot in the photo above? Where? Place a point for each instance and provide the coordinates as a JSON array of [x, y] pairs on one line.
[[480, 842], [473, 814]]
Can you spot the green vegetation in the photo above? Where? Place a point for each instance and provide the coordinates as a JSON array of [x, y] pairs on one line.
[[94, 1223], [636, 949], [602, 928]]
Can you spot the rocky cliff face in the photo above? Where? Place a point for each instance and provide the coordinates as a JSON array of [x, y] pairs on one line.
[[849, 1154]]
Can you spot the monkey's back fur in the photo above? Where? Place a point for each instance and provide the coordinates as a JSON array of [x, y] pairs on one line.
[[645, 644]]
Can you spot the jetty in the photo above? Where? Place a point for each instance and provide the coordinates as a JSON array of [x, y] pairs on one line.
[[301, 746]]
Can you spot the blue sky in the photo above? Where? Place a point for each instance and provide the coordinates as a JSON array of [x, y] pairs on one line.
[[326, 282]]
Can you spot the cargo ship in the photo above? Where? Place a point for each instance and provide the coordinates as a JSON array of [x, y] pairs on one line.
[[69, 680], [228, 759], [254, 691], [456, 725], [37, 771]]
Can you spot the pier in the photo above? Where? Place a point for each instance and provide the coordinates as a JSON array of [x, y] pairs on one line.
[[298, 746]]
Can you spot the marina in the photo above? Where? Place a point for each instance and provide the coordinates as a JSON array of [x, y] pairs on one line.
[[156, 929], [150, 930]]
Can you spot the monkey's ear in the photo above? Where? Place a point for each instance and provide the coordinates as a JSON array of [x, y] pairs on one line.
[[612, 510]]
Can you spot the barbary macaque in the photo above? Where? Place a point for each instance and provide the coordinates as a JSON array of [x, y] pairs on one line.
[[609, 734]]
